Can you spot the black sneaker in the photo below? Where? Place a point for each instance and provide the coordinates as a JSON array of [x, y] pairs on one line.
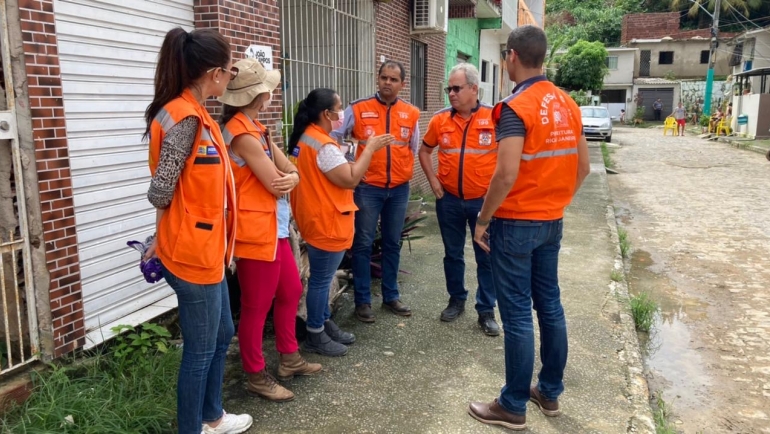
[[488, 324], [337, 335], [322, 344], [453, 310]]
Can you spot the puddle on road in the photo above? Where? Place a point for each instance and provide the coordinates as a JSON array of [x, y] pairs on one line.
[[676, 368]]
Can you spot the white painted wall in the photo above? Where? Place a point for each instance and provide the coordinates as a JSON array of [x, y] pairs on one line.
[[624, 74], [489, 50]]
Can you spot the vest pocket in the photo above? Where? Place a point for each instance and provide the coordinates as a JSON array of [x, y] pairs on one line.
[[199, 242], [341, 223], [256, 221]]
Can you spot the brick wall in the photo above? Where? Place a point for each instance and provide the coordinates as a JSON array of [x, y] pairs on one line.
[[243, 23], [393, 40], [462, 11], [53, 167]]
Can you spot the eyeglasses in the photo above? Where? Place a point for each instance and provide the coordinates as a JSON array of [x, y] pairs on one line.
[[504, 53], [233, 71], [455, 89]]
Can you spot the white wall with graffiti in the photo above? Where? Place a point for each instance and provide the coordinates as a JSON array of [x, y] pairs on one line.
[[694, 91]]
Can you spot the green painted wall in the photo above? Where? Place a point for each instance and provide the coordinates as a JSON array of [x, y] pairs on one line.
[[462, 37]]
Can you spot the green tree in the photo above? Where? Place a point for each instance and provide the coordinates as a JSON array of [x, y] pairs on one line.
[[583, 66], [591, 20], [743, 6]]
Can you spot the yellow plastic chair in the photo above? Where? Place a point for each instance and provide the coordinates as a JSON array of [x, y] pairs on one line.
[[670, 124], [724, 125]]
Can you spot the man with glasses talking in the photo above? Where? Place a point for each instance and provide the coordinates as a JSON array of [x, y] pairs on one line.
[[465, 138]]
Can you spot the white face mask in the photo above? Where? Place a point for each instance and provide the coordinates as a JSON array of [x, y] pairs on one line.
[[340, 120], [266, 103]]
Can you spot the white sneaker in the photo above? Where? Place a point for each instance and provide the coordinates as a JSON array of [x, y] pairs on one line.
[[231, 424]]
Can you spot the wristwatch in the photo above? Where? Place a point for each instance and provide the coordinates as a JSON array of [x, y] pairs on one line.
[[481, 222]]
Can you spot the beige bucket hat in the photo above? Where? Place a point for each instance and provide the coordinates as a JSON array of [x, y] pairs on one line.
[[252, 80]]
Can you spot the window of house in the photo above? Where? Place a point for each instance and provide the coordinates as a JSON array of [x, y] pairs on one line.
[[613, 96], [612, 62], [666, 58], [485, 71], [704, 56], [417, 76]]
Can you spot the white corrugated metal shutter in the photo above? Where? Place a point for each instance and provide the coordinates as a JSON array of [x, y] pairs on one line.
[[107, 52]]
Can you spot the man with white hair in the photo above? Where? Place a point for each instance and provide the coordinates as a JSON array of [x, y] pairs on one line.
[[465, 138]]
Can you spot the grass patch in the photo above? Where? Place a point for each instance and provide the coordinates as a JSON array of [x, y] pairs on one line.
[[606, 155], [100, 396], [616, 276], [625, 243], [661, 412], [643, 309]]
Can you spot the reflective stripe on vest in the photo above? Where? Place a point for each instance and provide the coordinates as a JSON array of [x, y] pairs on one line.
[[548, 154], [257, 207]]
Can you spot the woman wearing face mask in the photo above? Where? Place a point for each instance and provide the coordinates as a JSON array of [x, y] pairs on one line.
[[324, 209], [266, 266], [192, 188]]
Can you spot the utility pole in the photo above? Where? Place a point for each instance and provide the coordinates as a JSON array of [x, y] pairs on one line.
[[712, 57]]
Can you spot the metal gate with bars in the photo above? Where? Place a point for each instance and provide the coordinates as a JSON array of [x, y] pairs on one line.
[[326, 43], [644, 63], [18, 325]]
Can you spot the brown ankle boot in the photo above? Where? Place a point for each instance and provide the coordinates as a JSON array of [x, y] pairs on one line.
[[264, 385], [293, 364]]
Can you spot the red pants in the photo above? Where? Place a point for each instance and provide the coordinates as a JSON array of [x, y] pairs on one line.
[[261, 281]]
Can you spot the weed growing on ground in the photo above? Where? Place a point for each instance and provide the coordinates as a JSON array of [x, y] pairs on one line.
[[661, 412], [616, 276], [101, 394], [643, 310], [625, 244], [134, 346], [606, 155]]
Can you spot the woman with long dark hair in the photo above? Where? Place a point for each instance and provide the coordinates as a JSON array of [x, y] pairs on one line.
[[267, 271], [323, 208], [191, 189]]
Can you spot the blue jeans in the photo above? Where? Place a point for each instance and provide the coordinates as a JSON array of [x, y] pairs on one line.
[[387, 205], [453, 215], [323, 266], [525, 258], [207, 328]]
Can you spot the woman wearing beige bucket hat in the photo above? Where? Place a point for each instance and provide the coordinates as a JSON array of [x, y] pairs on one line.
[[266, 266]]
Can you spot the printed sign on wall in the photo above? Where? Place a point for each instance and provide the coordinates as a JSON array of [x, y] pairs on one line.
[[262, 53]]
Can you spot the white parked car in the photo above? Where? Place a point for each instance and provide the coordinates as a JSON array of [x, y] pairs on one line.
[[597, 123]]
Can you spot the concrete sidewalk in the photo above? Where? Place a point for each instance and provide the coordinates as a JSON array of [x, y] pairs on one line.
[[418, 375]]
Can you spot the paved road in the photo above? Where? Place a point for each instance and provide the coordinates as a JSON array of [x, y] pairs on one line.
[[417, 375], [698, 218]]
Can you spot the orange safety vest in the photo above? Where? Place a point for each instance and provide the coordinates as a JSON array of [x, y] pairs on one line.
[[549, 161], [393, 165], [196, 234], [467, 150], [257, 234], [323, 211]]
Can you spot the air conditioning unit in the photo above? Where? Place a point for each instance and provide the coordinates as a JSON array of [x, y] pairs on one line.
[[430, 16]]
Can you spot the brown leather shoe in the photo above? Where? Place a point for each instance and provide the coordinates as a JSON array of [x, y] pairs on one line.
[[294, 364], [494, 414], [264, 385], [548, 407], [398, 308], [364, 313]]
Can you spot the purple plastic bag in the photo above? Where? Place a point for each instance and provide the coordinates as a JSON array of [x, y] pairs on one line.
[[151, 269]]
